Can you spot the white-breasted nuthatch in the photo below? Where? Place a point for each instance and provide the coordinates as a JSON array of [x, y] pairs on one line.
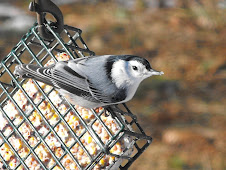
[[93, 81]]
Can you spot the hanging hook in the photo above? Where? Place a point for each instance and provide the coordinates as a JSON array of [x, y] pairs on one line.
[[41, 7]]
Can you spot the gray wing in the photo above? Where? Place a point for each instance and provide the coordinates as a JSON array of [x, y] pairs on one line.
[[76, 81], [99, 84], [94, 78]]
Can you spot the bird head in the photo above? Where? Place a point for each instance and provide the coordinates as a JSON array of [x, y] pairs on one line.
[[132, 69], [141, 70]]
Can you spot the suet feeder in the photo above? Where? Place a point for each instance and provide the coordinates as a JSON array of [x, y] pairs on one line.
[[40, 129]]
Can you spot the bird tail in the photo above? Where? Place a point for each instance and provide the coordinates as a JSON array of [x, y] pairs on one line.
[[42, 74]]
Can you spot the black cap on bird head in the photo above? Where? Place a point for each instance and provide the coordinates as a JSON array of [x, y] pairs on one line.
[[139, 59]]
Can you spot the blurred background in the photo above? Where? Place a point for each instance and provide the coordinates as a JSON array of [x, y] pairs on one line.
[[184, 110]]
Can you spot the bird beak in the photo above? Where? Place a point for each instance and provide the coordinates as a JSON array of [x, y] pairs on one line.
[[154, 72]]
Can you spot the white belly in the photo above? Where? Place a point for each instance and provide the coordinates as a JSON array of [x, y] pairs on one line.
[[77, 100]]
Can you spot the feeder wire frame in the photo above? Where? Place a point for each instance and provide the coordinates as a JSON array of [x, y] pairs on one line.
[[39, 51]]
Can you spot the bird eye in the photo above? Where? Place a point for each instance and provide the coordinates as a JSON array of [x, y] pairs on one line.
[[135, 68]]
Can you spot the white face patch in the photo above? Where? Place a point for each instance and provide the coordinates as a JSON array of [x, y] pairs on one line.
[[118, 73], [137, 69], [126, 73]]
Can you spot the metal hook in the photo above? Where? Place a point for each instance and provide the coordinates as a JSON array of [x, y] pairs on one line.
[[41, 7]]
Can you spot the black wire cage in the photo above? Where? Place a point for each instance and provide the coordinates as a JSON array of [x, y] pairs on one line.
[[41, 130]]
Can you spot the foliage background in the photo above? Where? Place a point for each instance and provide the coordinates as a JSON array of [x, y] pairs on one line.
[[184, 110]]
